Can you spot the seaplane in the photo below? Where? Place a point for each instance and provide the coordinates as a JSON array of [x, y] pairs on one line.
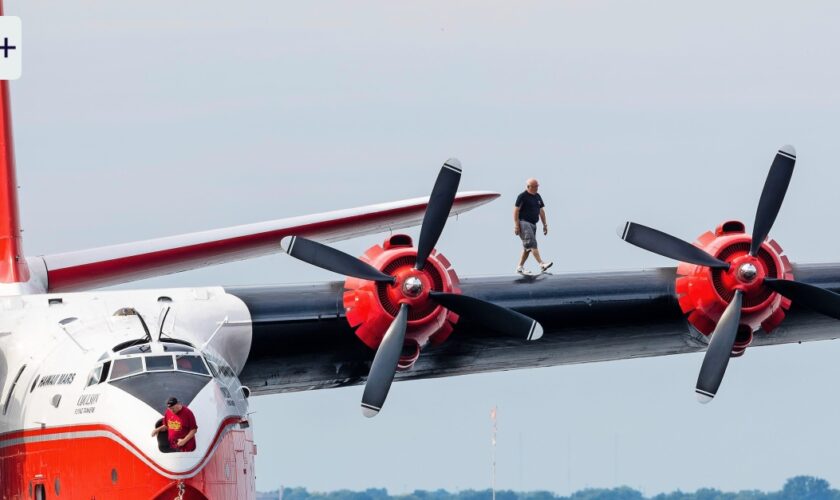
[[85, 373]]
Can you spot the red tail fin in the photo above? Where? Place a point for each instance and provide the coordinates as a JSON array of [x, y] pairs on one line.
[[13, 267]]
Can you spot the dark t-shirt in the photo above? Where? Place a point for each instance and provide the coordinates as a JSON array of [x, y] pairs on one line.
[[529, 206], [179, 425]]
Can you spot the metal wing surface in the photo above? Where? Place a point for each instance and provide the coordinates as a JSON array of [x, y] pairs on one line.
[[301, 340]]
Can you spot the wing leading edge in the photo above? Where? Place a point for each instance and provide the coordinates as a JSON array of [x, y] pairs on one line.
[[111, 265]]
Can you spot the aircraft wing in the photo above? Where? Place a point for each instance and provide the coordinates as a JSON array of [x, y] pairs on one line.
[[111, 265], [302, 341]]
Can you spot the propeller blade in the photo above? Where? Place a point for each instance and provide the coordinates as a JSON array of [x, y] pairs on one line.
[[489, 315], [384, 365], [819, 299], [772, 196], [329, 258], [720, 348], [440, 203], [664, 244]]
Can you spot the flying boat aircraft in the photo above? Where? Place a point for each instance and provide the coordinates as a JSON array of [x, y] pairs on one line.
[[85, 373]]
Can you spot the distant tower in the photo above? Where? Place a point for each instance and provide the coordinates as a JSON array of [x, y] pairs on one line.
[[493, 452]]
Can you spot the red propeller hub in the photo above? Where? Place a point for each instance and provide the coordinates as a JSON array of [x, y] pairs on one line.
[[371, 307], [704, 293]]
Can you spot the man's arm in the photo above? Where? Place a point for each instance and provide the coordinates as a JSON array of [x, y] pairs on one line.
[[186, 439], [516, 220], [542, 218], [159, 429]]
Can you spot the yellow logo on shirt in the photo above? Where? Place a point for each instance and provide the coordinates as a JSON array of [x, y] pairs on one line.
[[173, 425]]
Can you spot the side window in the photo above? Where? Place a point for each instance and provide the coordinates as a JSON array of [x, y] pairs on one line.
[[95, 376], [12, 389], [105, 369]]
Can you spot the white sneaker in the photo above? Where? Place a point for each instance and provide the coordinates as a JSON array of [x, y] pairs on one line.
[[545, 265], [521, 270]]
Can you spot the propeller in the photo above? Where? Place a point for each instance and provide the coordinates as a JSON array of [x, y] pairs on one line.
[[384, 366], [325, 257], [720, 348], [669, 246], [490, 315], [819, 299], [437, 211], [723, 338], [772, 196]]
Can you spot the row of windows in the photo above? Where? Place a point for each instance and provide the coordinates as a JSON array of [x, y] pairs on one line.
[[127, 367]]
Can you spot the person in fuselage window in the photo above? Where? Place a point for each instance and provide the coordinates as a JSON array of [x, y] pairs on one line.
[[179, 422], [528, 209]]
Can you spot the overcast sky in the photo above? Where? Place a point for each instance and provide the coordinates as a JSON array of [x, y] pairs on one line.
[[142, 119]]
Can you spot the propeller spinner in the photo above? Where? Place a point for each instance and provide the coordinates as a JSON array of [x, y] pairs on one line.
[[412, 290]]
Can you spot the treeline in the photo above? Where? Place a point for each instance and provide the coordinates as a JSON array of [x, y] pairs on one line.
[[797, 488]]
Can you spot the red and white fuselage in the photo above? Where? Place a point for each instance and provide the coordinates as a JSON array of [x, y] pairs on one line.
[[85, 386]]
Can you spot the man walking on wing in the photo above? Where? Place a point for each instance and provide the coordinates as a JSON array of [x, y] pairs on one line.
[[528, 209]]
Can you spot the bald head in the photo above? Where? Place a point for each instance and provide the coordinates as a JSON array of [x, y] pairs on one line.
[[532, 185]]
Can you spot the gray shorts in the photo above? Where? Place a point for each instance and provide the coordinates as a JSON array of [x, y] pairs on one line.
[[528, 234]]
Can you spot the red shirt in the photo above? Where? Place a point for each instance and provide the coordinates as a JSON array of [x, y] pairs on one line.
[[179, 425]]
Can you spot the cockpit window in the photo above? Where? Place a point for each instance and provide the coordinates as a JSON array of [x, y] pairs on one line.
[[105, 369], [138, 349], [137, 365], [94, 376], [129, 343], [125, 367], [158, 363], [191, 363], [176, 348]]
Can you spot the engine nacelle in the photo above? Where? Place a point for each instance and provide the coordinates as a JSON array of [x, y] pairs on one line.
[[371, 307], [704, 293]]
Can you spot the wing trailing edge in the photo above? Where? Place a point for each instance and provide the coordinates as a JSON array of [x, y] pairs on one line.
[[115, 264]]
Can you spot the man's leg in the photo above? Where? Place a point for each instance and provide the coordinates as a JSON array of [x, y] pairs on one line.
[[524, 235], [524, 257], [543, 265]]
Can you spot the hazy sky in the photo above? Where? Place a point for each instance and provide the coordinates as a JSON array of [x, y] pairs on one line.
[[143, 119]]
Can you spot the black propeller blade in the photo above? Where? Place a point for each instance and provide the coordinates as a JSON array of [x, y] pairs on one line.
[[498, 318], [333, 260], [384, 365], [437, 211], [669, 246], [772, 195], [819, 299], [720, 348]]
